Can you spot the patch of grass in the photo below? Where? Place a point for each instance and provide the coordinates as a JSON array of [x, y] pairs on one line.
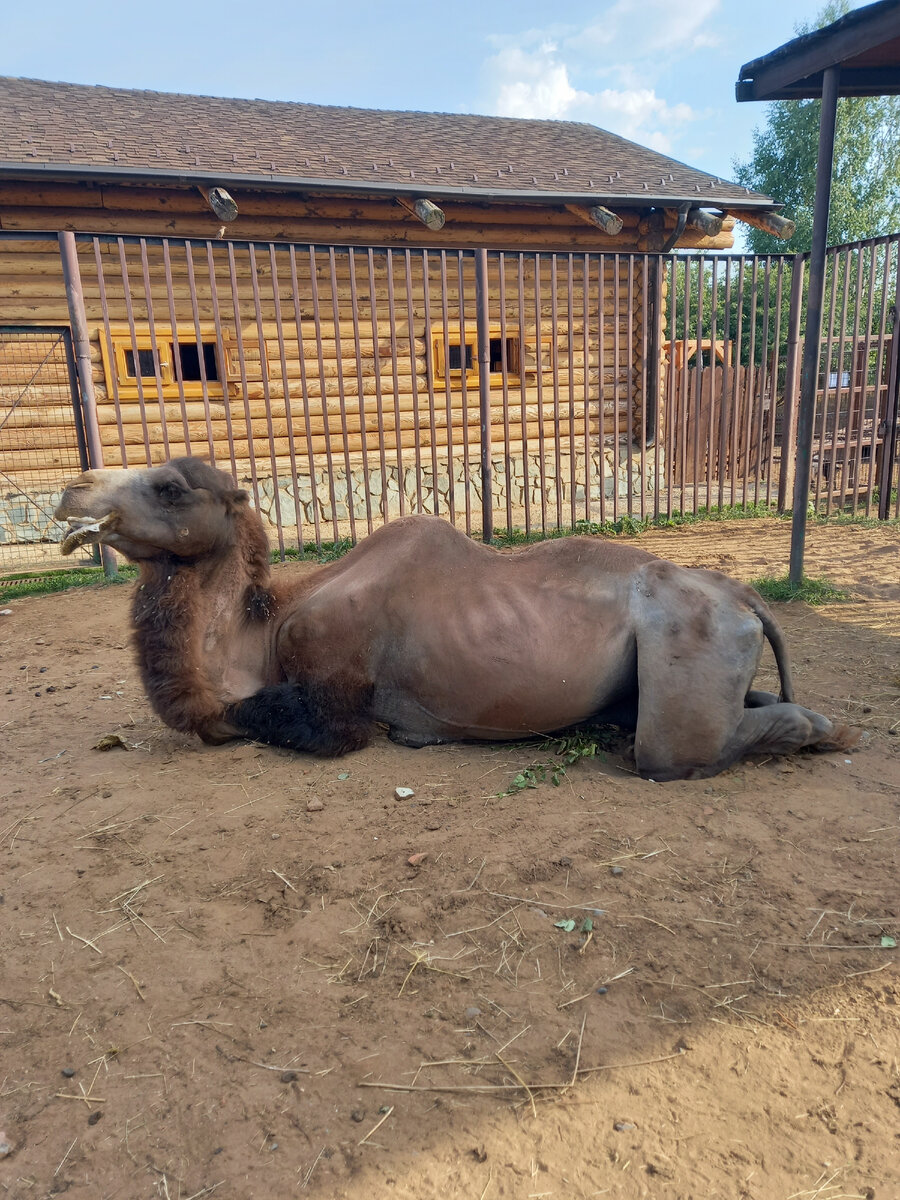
[[13, 587], [310, 552], [562, 752], [813, 591]]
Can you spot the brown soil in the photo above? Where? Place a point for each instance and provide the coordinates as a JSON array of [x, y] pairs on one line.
[[241, 972]]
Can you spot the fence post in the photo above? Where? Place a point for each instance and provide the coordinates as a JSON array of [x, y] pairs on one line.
[[483, 328], [791, 385], [78, 319]]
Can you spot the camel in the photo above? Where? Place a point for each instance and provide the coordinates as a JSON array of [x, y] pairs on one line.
[[436, 636]]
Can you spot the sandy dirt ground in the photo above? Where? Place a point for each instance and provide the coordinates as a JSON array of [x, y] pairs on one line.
[[240, 972]]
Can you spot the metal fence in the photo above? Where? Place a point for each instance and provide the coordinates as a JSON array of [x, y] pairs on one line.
[[345, 386]]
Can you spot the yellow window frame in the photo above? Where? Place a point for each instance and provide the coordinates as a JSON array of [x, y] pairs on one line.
[[441, 344], [120, 342]]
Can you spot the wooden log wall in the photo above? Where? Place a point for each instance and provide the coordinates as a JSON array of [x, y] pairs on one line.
[[330, 356]]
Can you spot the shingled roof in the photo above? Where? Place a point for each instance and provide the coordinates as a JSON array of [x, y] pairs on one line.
[[63, 130]]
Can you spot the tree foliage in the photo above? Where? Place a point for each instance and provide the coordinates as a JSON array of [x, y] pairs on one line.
[[865, 189]]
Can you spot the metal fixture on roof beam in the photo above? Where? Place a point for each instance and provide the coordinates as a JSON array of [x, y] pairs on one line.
[[707, 223], [768, 222], [221, 202], [427, 212], [603, 218]]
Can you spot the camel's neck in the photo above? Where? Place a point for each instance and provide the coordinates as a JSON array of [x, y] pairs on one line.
[[188, 617]]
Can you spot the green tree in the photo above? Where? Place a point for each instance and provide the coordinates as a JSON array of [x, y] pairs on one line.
[[865, 189]]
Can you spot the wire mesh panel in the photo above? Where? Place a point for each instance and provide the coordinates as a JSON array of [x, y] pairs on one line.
[[41, 444]]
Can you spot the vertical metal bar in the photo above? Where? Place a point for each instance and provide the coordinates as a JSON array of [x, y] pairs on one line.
[[104, 308], [586, 355], [617, 358], [601, 335], [395, 374], [267, 396], [242, 364], [762, 378], [712, 448], [360, 393], [539, 379], [304, 390], [570, 350], [738, 388], [504, 335], [863, 376], [448, 399], [809, 370], [342, 398], [204, 382], [854, 405], [483, 327], [752, 383], [220, 349], [687, 270], [892, 409], [286, 389], [414, 373], [773, 382], [725, 404], [463, 346], [129, 313], [629, 404], [65, 337], [379, 398], [643, 378], [68, 252], [671, 408], [557, 439], [821, 467], [173, 324], [699, 376], [523, 415], [876, 388], [326, 416], [154, 346], [429, 374]]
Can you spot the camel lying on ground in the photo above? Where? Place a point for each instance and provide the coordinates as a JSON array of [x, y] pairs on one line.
[[436, 636]]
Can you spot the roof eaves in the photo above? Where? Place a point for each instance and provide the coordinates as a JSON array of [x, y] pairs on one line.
[[711, 197]]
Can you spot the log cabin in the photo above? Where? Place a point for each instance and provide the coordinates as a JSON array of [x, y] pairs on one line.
[[291, 289]]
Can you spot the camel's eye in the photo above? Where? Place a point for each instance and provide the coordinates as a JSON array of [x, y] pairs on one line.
[[171, 492]]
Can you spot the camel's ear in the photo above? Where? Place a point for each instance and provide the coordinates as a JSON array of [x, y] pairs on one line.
[[234, 501]]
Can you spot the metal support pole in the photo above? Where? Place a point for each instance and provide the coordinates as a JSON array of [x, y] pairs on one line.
[[483, 327], [75, 299], [814, 305]]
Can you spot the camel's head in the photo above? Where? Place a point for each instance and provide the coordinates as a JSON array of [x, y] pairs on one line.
[[184, 508]]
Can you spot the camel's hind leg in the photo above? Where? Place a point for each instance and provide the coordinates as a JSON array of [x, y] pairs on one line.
[[697, 655]]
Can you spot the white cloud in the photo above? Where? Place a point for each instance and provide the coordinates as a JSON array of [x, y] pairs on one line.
[[536, 83]]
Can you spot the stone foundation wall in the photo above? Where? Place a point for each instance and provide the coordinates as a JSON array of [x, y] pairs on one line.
[[27, 519]]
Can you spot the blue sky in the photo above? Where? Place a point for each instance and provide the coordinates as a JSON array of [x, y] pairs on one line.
[[660, 73]]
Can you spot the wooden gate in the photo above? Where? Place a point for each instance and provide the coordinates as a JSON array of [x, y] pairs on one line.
[[41, 441]]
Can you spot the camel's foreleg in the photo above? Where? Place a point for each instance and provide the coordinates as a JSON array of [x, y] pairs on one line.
[[310, 717]]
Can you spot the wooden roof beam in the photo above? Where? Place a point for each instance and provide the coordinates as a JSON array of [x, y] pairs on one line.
[[424, 210], [709, 224], [596, 214], [768, 222]]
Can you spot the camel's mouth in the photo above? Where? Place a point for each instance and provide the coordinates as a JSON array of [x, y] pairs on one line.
[[87, 531]]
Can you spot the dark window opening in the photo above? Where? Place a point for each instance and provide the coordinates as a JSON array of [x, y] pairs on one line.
[[146, 362], [454, 357], [512, 355], [190, 361]]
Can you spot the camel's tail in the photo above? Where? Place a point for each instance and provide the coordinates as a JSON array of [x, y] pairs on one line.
[[773, 632]]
